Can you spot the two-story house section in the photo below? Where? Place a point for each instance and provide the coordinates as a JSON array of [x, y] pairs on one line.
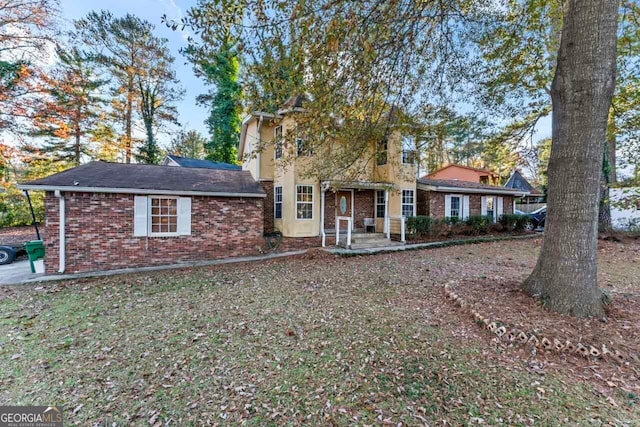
[[300, 205]]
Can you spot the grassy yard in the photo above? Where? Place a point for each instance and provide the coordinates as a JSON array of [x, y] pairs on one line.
[[317, 340]]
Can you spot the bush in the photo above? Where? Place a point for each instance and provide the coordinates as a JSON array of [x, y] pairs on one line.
[[419, 225], [514, 222], [452, 220], [479, 224], [14, 208]]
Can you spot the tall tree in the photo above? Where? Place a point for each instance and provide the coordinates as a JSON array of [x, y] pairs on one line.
[[26, 29], [122, 46], [158, 91], [71, 108], [565, 277]]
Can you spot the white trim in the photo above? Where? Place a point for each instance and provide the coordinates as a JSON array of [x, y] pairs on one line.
[[144, 191], [489, 191], [150, 233], [447, 206], [415, 194], [277, 142], [322, 204], [353, 196], [275, 202], [313, 202], [62, 258]]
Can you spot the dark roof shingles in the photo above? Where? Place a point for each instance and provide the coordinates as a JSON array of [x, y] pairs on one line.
[[153, 177], [460, 184], [205, 164]]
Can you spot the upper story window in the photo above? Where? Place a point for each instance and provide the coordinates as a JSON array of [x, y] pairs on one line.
[[278, 143], [383, 147], [484, 179], [302, 147], [408, 157]]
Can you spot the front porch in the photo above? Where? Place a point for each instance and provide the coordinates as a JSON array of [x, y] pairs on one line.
[[357, 214]]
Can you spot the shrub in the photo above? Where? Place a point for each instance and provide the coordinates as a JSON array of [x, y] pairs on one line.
[[479, 224], [452, 220], [419, 225]]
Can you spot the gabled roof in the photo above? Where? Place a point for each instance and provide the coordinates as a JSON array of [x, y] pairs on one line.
[[517, 181], [187, 162], [105, 177], [453, 185], [487, 171]]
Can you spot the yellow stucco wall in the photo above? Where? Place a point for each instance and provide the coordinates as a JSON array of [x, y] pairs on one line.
[[290, 172]]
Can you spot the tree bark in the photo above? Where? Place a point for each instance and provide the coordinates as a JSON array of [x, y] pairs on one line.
[[565, 276]]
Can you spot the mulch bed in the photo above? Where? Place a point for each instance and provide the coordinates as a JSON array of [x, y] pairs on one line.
[[503, 301]]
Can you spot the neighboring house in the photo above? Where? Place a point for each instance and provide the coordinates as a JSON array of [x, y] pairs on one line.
[[625, 208], [186, 162], [519, 182], [465, 173], [440, 199], [306, 208], [104, 216]]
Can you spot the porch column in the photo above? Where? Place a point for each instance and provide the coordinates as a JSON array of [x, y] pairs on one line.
[[322, 216], [387, 224]]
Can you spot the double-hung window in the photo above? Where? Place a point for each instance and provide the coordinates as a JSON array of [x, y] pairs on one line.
[[408, 199], [278, 143], [164, 215], [302, 147], [380, 205], [277, 202], [456, 205], [381, 158], [304, 202]]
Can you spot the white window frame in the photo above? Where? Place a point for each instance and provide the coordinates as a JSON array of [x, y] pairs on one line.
[[305, 151], [460, 201], [312, 202], [150, 231], [276, 202], [278, 142], [378, 204], [412, 204]]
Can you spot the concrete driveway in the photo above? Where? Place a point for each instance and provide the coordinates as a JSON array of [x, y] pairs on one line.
[[18, 271]]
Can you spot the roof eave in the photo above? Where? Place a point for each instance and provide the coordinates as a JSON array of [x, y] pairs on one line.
[[146, 191], [443, 189]]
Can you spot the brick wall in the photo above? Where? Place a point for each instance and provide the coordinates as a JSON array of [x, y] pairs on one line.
[[363, 206], [297, 243], [329, 210], [432, 203], [99, 232], [267, 186]]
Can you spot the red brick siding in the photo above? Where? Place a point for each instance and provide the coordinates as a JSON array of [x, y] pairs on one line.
[[297, 243], [267, 186], [329, 210], [432, 203], [99, 232], [363, 207]]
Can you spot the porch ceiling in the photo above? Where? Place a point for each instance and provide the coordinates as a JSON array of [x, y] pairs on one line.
[[361, 185]]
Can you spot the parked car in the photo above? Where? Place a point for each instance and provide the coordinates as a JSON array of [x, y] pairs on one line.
[[519, 212], [537, 218]]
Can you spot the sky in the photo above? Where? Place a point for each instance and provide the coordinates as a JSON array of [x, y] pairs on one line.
[[191, 116]]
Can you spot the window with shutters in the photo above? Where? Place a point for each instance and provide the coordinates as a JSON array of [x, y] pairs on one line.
[[163, 216], [456, 205]]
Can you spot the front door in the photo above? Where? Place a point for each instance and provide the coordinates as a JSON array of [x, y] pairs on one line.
[[343, 207]]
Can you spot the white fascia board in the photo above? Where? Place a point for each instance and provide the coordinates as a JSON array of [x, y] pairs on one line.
[[146, 191], [440, 189]]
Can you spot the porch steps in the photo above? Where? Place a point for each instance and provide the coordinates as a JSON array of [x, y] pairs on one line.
[[366, 241]]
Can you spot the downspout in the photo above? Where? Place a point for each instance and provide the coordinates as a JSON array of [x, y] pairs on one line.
[[62, 237]]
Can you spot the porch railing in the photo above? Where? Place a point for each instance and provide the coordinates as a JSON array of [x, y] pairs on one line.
[[398, 223], [349, 226]]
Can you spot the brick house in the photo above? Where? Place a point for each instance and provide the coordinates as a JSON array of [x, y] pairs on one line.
[[466, 173], [441, 198], [104, 216]]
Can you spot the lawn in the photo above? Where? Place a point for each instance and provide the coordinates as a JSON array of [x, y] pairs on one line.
[[316, 339]]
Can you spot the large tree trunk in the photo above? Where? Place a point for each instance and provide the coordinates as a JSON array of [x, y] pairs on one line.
[[565, 277]]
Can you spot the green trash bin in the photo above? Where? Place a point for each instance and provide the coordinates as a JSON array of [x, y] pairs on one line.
[[35, 251]]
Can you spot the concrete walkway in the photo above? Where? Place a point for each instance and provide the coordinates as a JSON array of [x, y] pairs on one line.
[[19, 271]]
